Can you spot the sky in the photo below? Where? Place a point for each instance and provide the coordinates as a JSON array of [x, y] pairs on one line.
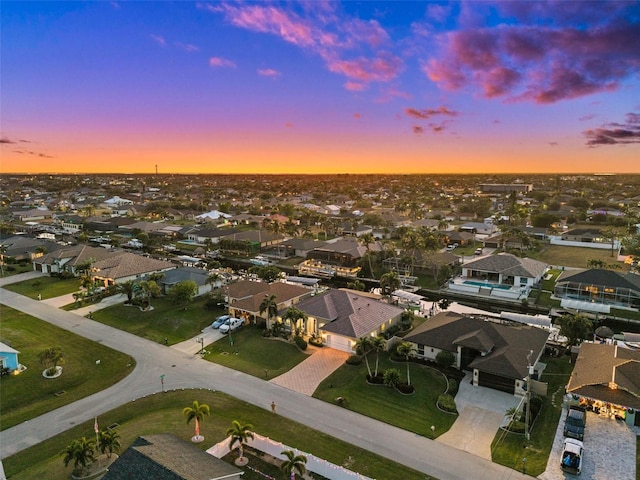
[[320, 87]]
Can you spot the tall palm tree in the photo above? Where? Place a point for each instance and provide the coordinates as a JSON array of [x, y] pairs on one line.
[[51, 357], [363, 347], [293, 464], [269, 305], [81, 452], [109, 442], [239, 434], [407, 349], [196, 412], [378, 344], [294, 315], [389, 283], [212, 279], [367, 239], [128, 288]]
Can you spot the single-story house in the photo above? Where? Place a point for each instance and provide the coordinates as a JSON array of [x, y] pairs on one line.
[[8, 357], [584, 235], [609, 374], [461, 238], [505, 269], [599, 286], [261, 238], [67, 259], [479, 228], [31, 215], [166, 457], [341, 317], [498, 354], [300, 247], [211, 216], [245, 297], [201, 235], [344, 252], [123, 266], [182, 274], [21, 247]]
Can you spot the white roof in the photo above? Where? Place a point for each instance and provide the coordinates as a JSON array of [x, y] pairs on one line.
[[4, 348], [214, 215], [586, 306]]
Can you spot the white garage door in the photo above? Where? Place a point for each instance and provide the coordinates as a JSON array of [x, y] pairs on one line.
[[339, 343]]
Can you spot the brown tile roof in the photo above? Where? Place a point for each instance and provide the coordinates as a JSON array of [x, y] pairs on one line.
[[248, 296], [124, 264], [349, 313], [508, 264], [598, 365], [77, 253]]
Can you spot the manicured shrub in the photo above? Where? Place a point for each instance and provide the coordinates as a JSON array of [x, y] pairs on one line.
[[453, 387], [316, 341], [354, 360], [391, 377], [447, 403], [445, 359], [405, 388], [376, 379], [300, 342]]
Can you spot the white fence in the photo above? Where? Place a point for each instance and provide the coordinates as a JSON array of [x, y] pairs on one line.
[[273, 448], [568, 243]]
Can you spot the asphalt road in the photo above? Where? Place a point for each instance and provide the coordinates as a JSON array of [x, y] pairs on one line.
[[183, 370]]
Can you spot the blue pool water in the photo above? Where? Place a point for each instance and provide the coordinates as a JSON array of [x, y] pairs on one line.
[[487, 284]]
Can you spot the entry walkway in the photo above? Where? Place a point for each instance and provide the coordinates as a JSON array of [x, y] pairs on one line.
[[481, 410], [307, 375]]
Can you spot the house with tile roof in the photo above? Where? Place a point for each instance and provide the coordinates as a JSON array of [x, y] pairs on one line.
[[496, 353], [245, 297], [505, 269], [341, 317], [123, 266], [166, 457], [67, 259], [172, 277], [607, 373], [600, 287]]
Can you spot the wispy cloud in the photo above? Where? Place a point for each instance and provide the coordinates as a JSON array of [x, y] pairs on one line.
[[417, 129], [540, 62], [6, 140], [615, 133], [219, 62], [355, 86], [430, 112], [187, 47], [159, 40], [268, 72]]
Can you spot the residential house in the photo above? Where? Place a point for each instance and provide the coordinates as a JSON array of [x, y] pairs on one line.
[[121, 266], [245, 297], [171, 278], [300, 247], [69, 223], [584, 235], [109, 224], [505, 269], [21, 247], [497, 354], [608, 376], [67, 259], [212, 216], [166, 457], [341, 317], [32, 215], [595, 287], [202, 235], [478, 228], [8, 358], [461, 238]]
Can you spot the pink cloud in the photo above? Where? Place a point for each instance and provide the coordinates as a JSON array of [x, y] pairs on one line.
[[429, 112], [355, 86], [357, 115], [382, 68], [369, 32], [219, 62], [159, 40], [417, 129], [541, 64], [615, 133], [268, 72]]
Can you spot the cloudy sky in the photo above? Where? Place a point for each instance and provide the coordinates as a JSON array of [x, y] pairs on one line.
[[307, 87]]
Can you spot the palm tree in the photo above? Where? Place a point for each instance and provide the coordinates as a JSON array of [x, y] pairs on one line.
[[367, 239], [294, 315], [293, 464], [212, 279], [128, 288], [81, 453], [196, 412], [378, 344], [363, 347], [269, 305], [109, 442], [51, 358], [407, 349], [389, 283], [239, 434]]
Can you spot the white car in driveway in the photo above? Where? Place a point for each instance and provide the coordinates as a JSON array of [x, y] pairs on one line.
[[231, 324], [571, 459]]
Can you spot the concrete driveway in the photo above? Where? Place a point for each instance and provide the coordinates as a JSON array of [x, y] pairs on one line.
[[609, 450], [481, 411]]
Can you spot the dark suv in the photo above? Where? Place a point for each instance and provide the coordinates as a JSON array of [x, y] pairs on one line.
[[575, 423]]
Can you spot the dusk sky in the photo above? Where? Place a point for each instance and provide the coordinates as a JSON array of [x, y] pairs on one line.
[[320, 87]]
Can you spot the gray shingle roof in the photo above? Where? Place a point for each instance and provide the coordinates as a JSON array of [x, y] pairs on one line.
[[508, 264], [124, 264], [601, 277]]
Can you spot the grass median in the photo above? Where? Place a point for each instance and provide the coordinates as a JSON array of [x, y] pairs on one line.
[[47, 287]]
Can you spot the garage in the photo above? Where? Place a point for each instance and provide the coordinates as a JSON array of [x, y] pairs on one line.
[[338, 342], [496, 382]]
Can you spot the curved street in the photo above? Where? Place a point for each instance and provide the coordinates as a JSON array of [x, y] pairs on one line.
[[184, 370]]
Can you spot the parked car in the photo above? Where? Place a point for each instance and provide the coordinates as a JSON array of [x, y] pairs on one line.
[[452, 246], [478, 251], [575, 423], [231, 324], [220, 321], [571, 460]]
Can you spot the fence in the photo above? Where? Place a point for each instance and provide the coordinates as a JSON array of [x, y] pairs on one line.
[[273, 448]]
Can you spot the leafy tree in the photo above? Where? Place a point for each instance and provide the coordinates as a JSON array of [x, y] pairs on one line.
[[445, 359], [293, 464], [378, 344], [182, 293], [81, 452], [363, 347], [596, 263], [407, 349], [267, 273], [239, 434], [269, 305], [575, 327], [356, 285], [51, 358], [109, 442], [196, 412]]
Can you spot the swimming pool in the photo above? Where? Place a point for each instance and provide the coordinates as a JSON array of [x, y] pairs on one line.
[[487, 284]]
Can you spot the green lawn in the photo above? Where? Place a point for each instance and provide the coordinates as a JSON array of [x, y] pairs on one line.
[[509, 449], [29, 394], [253, 354], [9, 269], [573, 256], [162, 413], [48, 287], [416, 413], [166, 320]]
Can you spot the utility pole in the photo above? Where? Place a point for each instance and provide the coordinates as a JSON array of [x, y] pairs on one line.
[[527, 394]]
